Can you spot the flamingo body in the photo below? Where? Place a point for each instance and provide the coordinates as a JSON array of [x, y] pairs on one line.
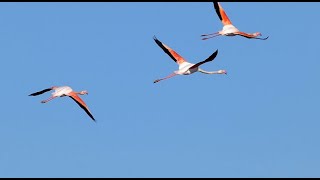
[[62, 91], [66, 91], [228, 28], [186, 68]]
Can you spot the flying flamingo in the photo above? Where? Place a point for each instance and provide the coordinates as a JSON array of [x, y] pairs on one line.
[[228, 29], [186, 68], [66, 91]]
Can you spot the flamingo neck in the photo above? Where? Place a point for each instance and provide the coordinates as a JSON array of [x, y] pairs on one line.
[[208, 72], [81, 93]]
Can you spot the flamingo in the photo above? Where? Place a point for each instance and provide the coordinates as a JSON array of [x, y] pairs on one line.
[[228, 29], [66, 91], [186, 68]]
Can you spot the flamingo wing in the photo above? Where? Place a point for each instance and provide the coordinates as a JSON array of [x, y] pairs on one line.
[[210, 58], [40, 92], [81, 103], [221, 13], [174, 55]]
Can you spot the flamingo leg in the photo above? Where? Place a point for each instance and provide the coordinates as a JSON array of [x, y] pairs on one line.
[[210, 34], [52, 97], [171, 75], [211, 37]]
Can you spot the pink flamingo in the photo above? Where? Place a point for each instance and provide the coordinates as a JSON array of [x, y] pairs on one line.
[[66, 91], [228, 29], [186, 68]]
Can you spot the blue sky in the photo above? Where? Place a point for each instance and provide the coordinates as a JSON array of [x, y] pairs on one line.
[[260, 120]]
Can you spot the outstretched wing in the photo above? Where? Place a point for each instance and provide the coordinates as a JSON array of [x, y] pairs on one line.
[[174, 55], [81, 103], [210, 58], [221, 13], [40, 92]]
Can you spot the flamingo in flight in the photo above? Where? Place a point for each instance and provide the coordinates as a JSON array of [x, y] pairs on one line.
[[228, 29], [186, 68], [66, 91]]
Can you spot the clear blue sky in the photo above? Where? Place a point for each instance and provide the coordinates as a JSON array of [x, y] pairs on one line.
[[260, 120]]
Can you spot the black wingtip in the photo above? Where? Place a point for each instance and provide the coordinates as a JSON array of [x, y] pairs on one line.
[[217, 8], [92, 117], [89, 113], [214, 55], [41, 92], [157, 41], [155, 38]]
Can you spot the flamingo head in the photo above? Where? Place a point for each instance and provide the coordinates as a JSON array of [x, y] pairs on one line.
[[84, 92], [222, 72], [257, 34]]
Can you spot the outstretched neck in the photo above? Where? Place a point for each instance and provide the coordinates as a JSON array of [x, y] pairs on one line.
[[208, 72], [81, 92]]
